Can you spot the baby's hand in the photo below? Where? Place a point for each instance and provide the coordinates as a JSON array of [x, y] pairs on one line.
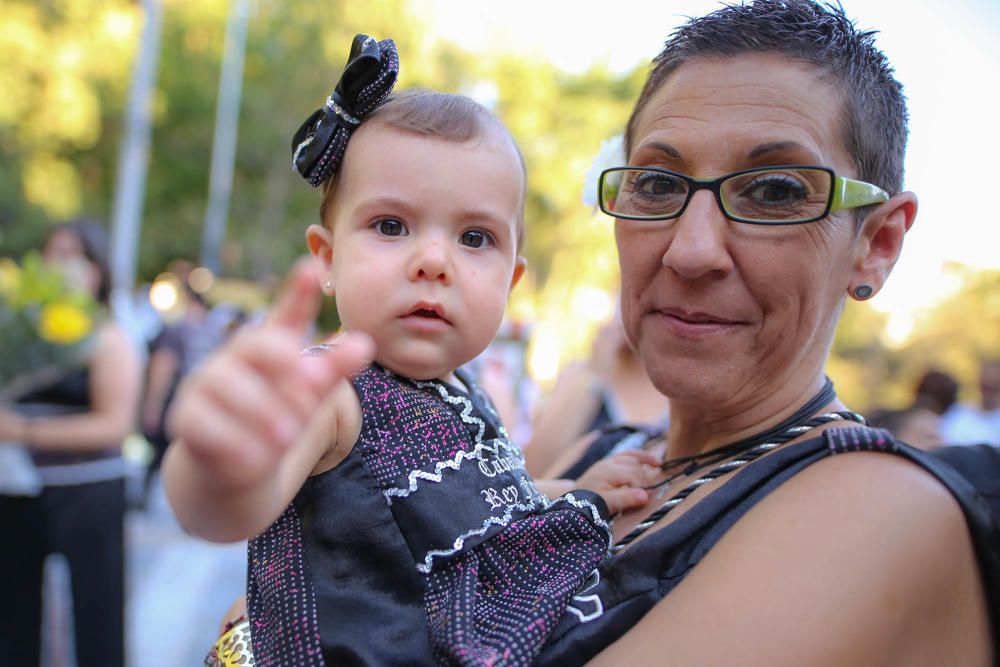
[[620, 478], [245, 406]]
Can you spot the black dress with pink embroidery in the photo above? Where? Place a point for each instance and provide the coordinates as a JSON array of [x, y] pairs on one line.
[[428, 543]]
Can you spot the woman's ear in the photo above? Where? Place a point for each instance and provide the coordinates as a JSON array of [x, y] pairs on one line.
[[320, 242], [879, 243]]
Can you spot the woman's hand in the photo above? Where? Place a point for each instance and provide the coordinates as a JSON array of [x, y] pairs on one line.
[[620, 478]]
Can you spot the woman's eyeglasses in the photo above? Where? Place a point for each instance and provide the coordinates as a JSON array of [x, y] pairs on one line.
[[781, 195]]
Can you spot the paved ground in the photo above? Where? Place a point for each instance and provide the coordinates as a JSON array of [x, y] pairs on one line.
[[179, 588]]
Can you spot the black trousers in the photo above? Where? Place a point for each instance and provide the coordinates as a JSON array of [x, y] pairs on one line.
[[85, 523]]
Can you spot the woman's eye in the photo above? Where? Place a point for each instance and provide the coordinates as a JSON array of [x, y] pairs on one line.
[[657, 185], [777, 191], [476, 238], [390, 227]]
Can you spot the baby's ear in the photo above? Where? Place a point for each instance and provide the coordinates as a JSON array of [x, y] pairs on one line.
[[320, 242], [520, 264]]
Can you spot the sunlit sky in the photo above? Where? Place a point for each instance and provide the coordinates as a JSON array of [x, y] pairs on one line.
[[946, 54]]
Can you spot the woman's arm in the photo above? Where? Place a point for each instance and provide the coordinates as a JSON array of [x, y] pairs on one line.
[[160, 376], [114, 393], [562, 418], [861, 559]]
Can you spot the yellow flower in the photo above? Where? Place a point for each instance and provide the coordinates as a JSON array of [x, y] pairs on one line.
[[63, 323], [10, 277]]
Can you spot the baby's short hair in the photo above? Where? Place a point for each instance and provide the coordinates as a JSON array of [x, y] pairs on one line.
[[447, 116]]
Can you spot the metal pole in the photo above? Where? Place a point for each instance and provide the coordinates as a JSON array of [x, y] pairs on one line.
[[133, 163], [227, 120]]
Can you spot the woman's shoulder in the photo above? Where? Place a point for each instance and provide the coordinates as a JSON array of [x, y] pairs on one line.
[[877, 537], [873, 503], [112, 335], [114, 354], [861, 558], [872, 481]]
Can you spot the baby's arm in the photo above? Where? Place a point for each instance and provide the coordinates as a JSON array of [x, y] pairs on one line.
[[255, 419], [618, 478]]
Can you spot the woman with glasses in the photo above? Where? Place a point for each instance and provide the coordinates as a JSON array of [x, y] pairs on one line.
[[762, 190]]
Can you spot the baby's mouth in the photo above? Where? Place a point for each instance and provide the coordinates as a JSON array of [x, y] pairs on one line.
[[428, 311]]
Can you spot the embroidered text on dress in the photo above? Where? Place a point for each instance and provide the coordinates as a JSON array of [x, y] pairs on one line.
[[495, 447]]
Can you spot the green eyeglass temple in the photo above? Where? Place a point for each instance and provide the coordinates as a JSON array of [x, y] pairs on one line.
[[848, 193]]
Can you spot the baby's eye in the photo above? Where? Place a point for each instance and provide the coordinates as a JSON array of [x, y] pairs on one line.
[[476, 238], [390, 227]]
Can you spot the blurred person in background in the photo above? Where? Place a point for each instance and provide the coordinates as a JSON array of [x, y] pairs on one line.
[[180, 347], [968, 424], [914, 425], [610, 388], [74, 427], [936, 391], [500, 371]]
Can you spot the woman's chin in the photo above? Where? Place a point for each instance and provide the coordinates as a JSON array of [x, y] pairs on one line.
[[691, 380]]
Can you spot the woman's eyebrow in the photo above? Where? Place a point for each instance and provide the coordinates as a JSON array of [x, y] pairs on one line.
[[666, 148], [757, 151]]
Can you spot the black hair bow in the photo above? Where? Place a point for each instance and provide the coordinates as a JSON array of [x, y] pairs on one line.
[[368, 78]]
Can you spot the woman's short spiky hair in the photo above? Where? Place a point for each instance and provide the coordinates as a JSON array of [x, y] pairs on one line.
[[874, 116]]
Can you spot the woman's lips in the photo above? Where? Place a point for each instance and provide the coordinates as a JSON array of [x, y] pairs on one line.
[[687, 324]]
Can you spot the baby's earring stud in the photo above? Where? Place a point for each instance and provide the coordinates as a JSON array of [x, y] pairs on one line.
[[328, 284]]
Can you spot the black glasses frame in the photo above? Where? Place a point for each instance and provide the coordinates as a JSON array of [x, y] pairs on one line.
[[715, 185]]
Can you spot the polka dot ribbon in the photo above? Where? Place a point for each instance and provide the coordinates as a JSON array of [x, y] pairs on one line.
[[368, 78]]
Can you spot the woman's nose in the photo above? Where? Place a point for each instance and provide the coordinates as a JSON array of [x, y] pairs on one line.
[[698, 246]]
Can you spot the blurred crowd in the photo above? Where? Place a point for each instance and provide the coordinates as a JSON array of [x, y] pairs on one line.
[[937, 418]]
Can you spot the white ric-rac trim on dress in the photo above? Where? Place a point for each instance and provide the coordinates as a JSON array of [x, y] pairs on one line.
[[454, 464], [459, 542]]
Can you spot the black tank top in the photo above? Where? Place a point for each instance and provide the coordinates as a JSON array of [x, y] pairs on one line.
[[635, 580], [67, 395]]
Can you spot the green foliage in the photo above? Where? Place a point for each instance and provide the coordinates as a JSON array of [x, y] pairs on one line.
[[959, 333]]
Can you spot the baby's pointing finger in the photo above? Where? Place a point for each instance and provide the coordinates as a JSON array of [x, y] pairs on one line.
[[299, 300], [274, 351]]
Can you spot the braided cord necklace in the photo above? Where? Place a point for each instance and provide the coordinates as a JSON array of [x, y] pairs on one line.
[[747, 450], [824, 396]]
